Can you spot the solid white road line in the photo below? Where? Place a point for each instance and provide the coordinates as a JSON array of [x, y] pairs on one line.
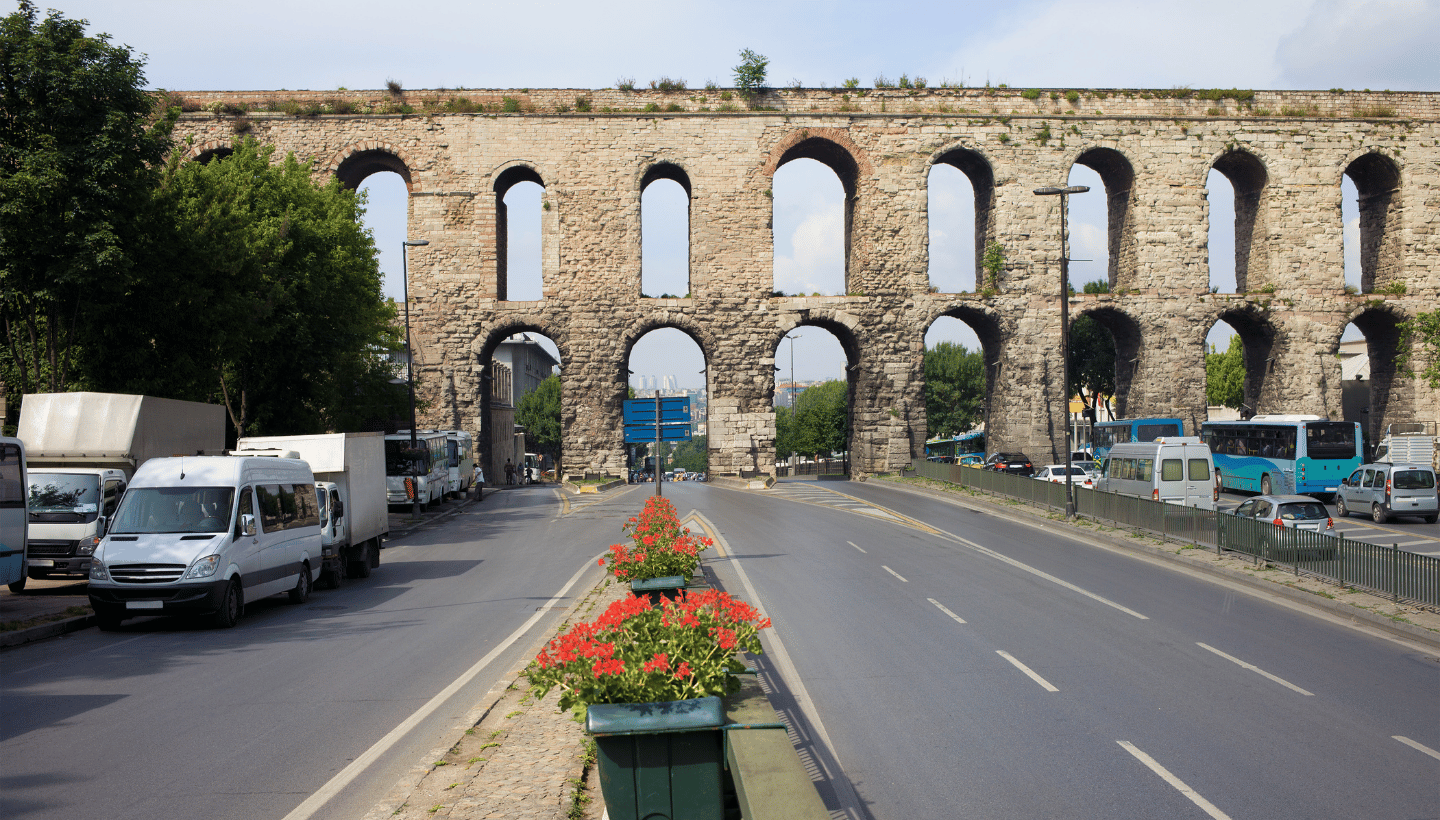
[[893, 572], [946, 611], [1206, 805], [1047, 576], [1419, 747], [856, 546], [1027, 670], [316, 801], [1253, 668]]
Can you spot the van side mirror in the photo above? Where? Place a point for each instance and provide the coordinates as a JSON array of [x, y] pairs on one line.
[[339, 509], [247, 524], [102, 525]]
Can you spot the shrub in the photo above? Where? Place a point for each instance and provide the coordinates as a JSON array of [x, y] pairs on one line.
[[1072, 96], [853, 82], [625, 83], [582, 104], [1030, 94], [510, 105]]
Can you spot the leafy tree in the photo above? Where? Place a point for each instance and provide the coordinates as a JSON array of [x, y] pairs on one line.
[[954, 389], [1424, 332], [539, 412], [79, 152], [692, 455], [821, 419], [750, 74], [1225, 375], [262, 291], [1092, 363], [784, 433]]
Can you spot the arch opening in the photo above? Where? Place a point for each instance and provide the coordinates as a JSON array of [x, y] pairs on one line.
[[1235, 188], [208, 155], [519, 193], [1239, 351], [521, 406], [813, 197], [1372, 216], [1105, 347], [355, 168], [666, 360], [961, 363], [665, 232], [813, 396], [1368, 351], [1114, 243], [960, 190]]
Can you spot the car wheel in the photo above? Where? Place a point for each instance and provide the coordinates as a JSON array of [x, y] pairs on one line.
[[1265, 485], [301, 593], [232, 606], [1340, 508], [359, 567], [330, 578], [107, 620], [1377, 513], [37, 574]]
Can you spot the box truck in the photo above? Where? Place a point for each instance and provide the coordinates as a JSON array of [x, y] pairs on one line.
[[349, 471], [82, 450]]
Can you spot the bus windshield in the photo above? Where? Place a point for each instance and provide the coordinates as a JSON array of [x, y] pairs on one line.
[[1330, 440]]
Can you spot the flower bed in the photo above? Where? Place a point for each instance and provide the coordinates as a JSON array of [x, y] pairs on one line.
[[660, 547]]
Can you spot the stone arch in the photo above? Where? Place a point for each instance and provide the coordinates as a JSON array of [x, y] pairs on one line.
[[846, 329], [1118, 174], [209, 150], [991, 329], [352, 164], [506, 178], [1249, 178], [1129, 347], [683, 322], [1381, 326], [833, 149], [482, 351], [1377, 181], [1258, 337], [976, 167], [665, 170]]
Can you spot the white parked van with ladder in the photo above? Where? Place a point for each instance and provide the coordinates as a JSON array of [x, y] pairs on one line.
[[1173, 469]]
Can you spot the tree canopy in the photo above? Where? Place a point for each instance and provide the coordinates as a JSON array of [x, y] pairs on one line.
[[818, 424], [693, 456], [1225, 375], [954, 389], [539, 412]]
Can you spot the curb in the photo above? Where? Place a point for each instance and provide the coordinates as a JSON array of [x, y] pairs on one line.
[[580, 489], [1299, 596], [50, 630], [737, 483]]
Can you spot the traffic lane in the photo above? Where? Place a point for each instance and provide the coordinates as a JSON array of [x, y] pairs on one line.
[[1409, 533], [256, 718], [871, 674], [1178, 599]]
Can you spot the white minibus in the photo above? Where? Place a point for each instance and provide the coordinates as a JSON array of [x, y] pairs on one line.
[[206, 534], [416, 474], [1173, 469]]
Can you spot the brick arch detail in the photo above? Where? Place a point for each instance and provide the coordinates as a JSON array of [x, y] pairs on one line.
[[332, 165], [839, 136]]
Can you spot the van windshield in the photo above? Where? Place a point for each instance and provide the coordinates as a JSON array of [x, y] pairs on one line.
[[174, 509], [63, 498], [401, 460], [1413, 480]]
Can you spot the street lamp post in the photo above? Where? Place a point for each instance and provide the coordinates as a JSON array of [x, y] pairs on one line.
[[410, 374], [1064, 194]]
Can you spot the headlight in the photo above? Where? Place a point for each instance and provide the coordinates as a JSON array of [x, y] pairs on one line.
[[97, 571], [86, 546], [204, 568]]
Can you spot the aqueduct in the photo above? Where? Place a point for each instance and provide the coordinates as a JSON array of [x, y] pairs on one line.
[[1285, 153]]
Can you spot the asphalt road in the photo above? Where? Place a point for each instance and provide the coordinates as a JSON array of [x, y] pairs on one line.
[[933, 661], [169, 719]]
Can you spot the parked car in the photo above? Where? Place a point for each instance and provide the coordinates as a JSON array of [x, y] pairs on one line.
[[1055, 473], [1017, 463], [1383, 490], [1285, 514], [972, 461]]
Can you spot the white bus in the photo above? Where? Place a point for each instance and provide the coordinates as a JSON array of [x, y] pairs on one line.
[[1173, 469]]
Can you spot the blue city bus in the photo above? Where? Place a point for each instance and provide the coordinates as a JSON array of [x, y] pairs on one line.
[[1306, 455], [951, 450], [1107, 434]]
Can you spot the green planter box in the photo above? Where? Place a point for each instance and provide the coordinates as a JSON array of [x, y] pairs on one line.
[[658, 589], [660, 761]]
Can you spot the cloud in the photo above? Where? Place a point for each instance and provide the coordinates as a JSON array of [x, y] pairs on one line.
[[816, 263], [1379, 44]]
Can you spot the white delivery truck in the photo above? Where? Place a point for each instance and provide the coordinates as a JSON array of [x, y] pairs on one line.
[[418, 473], [82, 450], [204, 536], [1173, 469], [1410, 442], [12, 513], [349, 473]]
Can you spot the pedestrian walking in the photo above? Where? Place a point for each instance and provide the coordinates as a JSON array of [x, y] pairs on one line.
[[509, 472]]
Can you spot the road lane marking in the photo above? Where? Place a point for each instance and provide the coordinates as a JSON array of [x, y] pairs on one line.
[[1253, 668], [1023, 668], [893, 572], [1419, 747], [856, 546], [1040, 573], [347, 775], [946, 611], [1205, 805]]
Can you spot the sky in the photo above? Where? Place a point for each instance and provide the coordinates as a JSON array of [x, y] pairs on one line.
[[1274, 44]]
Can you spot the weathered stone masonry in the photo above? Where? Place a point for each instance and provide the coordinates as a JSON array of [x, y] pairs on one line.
[[1154, 153]]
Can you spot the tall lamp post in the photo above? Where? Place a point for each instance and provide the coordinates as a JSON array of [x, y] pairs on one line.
[[410, 374], [1064, 194]]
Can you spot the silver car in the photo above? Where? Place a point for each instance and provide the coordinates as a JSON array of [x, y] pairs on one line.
[[1383, 490], [1286, 513]]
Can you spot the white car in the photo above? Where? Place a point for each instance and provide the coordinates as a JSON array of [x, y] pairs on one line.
[[1055, 473]]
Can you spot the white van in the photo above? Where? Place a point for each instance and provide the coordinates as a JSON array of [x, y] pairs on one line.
[[460, 460], [205, 534], [12, 513], [1174, 469]]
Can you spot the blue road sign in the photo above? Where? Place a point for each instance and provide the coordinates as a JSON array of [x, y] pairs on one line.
[[640, 421], [645, 433]]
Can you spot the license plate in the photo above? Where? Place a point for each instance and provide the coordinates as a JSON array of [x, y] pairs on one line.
[[40, 562], [144, 604], [1332, 489]]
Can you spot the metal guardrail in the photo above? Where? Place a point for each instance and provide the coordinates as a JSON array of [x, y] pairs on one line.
[[825, 466], [1389, 571]]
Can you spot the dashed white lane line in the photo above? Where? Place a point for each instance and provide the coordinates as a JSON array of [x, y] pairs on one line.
[[1253, 668], [857, 546], [1208, 807], [893, 572], [957, 618], [1419, 747], [1038, 573], [1023, 668]]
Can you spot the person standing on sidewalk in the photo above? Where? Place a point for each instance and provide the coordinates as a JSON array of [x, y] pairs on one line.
[[509, 472]]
